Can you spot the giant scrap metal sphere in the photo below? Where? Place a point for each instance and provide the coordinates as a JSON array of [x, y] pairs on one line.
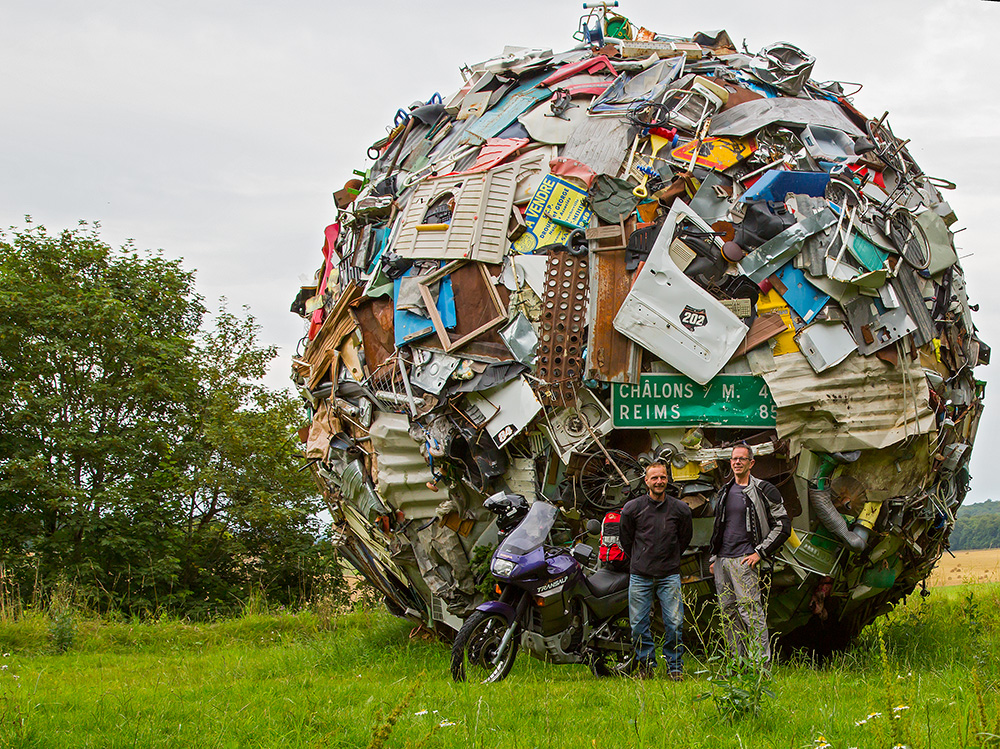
[[646, 248]]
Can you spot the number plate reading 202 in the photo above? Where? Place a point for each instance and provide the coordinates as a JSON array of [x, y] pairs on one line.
[[675, 400]]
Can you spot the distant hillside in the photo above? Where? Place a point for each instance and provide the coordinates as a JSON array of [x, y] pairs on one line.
[[989, 507], [977, 526]]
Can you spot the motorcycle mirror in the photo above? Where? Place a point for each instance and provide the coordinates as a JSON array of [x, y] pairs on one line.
[[593, 527]]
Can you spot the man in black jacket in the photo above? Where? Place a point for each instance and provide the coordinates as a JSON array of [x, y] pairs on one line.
[[655, 531], [751, 524]]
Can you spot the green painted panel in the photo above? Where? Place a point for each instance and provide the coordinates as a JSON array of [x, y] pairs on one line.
[[660, 400]]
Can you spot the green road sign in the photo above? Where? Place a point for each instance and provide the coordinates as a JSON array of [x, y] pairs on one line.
[[661, 400]]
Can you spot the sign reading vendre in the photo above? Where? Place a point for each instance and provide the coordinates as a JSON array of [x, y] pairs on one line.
[[661, 400]]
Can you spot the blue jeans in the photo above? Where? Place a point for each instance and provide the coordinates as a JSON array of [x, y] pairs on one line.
[[641, 590]]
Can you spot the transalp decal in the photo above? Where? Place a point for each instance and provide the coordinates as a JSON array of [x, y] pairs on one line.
[[554, 584]]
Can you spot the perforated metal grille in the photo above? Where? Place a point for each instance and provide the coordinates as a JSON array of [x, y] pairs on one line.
[[564, 312]]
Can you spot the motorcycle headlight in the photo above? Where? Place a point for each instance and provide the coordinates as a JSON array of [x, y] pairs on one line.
[[502, 567]]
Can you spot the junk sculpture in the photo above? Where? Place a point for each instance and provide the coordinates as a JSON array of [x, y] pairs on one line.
[[646, 248]]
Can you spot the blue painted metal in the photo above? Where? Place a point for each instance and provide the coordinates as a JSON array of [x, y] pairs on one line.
[[800, 294], [776, 184], [411, 326], [496, 119]]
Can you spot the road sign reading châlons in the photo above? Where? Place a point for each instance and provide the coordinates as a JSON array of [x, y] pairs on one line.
[[661, 400]]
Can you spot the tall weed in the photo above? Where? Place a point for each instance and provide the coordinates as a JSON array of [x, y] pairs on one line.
[[62, 616]]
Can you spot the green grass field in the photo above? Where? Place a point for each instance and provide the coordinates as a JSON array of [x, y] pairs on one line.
[[360, 679]]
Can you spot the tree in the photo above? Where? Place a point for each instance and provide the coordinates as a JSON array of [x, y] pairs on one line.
[[137, 457], [249, 511]]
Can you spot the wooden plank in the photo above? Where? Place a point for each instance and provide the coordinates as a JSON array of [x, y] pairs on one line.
[[611, 357], [763, 328], [494, 317]]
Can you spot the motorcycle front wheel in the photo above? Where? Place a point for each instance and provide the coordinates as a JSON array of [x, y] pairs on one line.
[[475, 648]]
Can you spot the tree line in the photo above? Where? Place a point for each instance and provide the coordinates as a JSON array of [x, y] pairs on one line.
[[977, 526], [141, 458]]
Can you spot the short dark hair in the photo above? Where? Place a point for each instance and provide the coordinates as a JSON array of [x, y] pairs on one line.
[[744, 446]]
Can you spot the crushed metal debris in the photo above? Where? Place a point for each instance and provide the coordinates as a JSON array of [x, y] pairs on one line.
[[647, 247]]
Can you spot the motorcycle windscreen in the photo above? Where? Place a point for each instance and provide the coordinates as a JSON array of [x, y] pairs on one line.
[[532, 531], [672, 316]]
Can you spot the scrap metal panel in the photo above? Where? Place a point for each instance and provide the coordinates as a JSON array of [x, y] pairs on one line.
[[403, 473], [853, 406], [611, 357]]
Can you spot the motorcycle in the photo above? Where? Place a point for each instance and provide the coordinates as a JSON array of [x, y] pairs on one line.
[[550, 604]]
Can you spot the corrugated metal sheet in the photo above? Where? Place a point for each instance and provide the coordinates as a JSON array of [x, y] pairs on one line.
[[853, 406], [402, 471]]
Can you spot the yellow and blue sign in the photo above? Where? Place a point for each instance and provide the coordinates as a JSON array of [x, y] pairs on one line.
[[556, 208]]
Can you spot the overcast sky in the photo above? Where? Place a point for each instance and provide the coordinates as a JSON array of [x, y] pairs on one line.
[[217, 130]]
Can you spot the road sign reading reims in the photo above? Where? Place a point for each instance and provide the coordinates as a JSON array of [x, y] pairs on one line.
[[661, 400]]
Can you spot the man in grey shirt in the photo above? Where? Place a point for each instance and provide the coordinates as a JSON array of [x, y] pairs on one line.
[[751, 524]]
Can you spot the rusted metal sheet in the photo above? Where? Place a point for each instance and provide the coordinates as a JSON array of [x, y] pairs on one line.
[[375, 318], [564, 316], [611, 357]]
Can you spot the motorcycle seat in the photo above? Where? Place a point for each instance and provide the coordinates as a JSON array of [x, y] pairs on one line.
[[605, 582]]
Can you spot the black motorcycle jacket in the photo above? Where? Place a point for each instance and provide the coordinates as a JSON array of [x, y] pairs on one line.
[[655, 534], [766, 517]]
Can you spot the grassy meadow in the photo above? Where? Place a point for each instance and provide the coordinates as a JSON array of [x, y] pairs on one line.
[[926, 676]]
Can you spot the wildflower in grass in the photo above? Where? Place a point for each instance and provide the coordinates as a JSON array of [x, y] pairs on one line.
[[900, 708], [871, 716], [421, 712], [821, 743], [445, 724]]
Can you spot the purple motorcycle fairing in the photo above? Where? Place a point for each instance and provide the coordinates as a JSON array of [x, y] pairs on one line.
[[498, 607], [536, 569]]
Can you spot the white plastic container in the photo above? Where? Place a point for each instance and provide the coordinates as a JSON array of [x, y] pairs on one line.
[[828, 144]]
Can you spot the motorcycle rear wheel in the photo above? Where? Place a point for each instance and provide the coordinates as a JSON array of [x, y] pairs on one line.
[[476, 645]]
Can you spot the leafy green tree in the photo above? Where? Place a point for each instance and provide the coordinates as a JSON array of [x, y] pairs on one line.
[[989, 507], [139, 458], [95, 374], [980, 531], [249, 512]]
